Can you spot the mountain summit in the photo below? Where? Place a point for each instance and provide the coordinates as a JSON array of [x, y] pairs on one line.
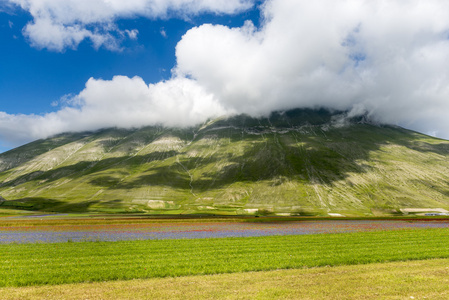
[[295, 162]]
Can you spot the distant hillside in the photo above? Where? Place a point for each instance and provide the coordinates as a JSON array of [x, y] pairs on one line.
[[296, 162]]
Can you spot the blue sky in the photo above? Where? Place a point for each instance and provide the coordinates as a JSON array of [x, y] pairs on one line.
[[31, 79], [79, 65]]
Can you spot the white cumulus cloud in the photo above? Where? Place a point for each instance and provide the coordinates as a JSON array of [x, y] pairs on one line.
[[58, 25], [121, 102], [389, 59]]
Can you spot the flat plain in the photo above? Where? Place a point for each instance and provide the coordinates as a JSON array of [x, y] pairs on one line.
[[397, 262]]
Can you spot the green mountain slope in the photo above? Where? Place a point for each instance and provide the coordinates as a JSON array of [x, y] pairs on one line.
[[296, 162]]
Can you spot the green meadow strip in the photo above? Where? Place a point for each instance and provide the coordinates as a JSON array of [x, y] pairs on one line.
[[40, 264]]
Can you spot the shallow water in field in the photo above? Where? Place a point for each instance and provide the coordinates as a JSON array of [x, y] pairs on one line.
[[197, 230]]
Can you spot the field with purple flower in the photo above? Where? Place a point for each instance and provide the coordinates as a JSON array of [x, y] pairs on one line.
[[178, 229]]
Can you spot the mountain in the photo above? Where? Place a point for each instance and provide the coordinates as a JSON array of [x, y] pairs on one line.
[[295, 162]]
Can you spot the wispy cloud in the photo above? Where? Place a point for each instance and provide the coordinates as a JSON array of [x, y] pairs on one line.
[[163, 32]]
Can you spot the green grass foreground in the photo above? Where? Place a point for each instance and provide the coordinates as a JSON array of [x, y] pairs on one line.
[[41, 264], [418, 279]]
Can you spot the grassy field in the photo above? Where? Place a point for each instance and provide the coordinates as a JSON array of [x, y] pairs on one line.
[[60, 263], [423, 279]]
